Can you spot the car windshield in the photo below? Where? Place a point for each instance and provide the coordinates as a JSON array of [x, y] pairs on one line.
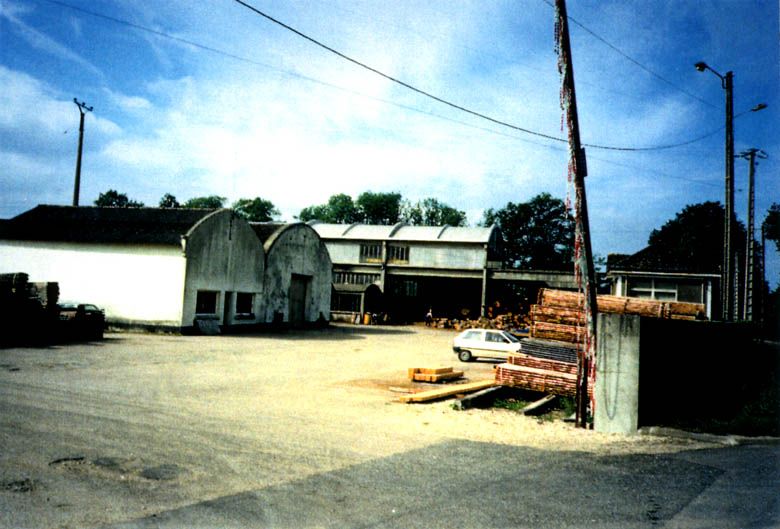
[[510, 337]]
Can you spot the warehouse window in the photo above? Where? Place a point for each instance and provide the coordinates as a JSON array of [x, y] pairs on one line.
[[206, 302], [354, 278], [398, 254], [371, 253], [244, 304], [657, 289]]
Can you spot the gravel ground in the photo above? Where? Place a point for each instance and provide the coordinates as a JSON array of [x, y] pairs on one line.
[[92, 434]]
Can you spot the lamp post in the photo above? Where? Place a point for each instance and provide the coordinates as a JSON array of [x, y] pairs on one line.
[[727, 270]]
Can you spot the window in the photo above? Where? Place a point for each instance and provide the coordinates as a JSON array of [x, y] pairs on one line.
[[345, 302], [371, 253], [657, 289], [245, 303], [206, 302], [398, 254], [473, 335], [407, 288], [354, 278]]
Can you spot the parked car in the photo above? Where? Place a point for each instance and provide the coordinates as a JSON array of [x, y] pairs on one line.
[[82, 320], [484, 343]]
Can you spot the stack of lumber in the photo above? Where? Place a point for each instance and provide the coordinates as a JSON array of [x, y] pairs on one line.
[[433, 374], [27, 310], [558, 315], [538, 374], [564, 301], [504, 322], [550, 350], [536, 379]]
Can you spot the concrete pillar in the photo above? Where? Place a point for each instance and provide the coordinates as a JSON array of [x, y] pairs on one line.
[[616, 392]]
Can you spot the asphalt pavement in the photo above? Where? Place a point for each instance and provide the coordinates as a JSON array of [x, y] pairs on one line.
[[464, 484]]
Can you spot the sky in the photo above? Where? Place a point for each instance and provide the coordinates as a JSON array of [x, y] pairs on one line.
[[210, 98]]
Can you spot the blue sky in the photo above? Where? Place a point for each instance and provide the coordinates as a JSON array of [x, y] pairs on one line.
[[201, 98]]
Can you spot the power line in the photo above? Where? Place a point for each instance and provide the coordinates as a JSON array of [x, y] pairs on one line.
[[449, 103], [362, 65], [632, 60]]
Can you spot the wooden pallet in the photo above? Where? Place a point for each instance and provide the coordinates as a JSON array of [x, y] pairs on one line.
[[433, 374]]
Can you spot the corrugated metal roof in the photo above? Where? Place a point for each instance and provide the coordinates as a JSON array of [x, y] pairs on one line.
[[102, 225], [403, 232]]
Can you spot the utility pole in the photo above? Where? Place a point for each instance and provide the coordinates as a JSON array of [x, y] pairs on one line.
[[583, 266], [83, 109], [728, 265], [750, 155]]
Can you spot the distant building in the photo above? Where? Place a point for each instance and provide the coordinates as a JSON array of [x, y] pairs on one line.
[[151, 267], [404, 270], [650, 275]]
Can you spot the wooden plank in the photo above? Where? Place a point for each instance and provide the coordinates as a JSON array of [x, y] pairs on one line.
[[424, 377], [449, 391]]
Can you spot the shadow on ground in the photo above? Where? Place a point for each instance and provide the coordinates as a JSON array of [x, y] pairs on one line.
[[460, 484]]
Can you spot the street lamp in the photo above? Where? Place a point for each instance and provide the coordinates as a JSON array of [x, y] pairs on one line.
[[727, 271]]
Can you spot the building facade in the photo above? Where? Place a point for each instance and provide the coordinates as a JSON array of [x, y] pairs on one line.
[[177, 269]]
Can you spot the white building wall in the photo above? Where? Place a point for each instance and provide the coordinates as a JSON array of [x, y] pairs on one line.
[[347, 252], [133, 284], [470, 257]]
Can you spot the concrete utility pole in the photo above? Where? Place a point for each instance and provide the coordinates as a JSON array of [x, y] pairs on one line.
[[83, 109], [727, 271], [750, 155]]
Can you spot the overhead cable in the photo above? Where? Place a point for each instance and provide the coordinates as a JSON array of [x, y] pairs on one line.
[[631, 59], [406, 85]]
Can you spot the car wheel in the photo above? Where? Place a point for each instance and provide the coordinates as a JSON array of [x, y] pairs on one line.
[[465, 356]]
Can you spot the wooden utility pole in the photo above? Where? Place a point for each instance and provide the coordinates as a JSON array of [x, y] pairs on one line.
[[583, 267], [83, 109]]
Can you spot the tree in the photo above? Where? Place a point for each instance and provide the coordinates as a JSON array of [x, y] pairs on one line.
[[538, 234], [694, 238], [771, 225], [379, 208], [340, 209], [115, 199], [256, 209], [169, 201], [210, 202], [431, 212]]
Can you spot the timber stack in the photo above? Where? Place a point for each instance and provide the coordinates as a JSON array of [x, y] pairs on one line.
[[548, 359], [28, 311], [559, 316]]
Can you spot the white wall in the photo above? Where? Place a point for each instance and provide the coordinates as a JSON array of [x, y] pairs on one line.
[[139, 284]]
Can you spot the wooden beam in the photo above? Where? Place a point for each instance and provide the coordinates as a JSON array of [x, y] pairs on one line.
[[449, 391]]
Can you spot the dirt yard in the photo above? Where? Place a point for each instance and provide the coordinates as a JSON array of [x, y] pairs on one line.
[[98, 433]]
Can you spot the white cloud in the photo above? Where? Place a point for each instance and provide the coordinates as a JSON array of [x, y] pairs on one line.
[[43, 42]]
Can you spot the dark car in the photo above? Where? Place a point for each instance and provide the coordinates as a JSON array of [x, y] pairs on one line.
[[82, 320]]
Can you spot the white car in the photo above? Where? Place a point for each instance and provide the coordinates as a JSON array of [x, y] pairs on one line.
[[484, 343]]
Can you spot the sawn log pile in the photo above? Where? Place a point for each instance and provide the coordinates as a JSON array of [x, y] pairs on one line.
[[548, 361]]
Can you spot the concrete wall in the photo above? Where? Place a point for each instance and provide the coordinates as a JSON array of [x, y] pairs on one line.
[[296, 249], [133, 284], [223, 255], [616, 393]]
